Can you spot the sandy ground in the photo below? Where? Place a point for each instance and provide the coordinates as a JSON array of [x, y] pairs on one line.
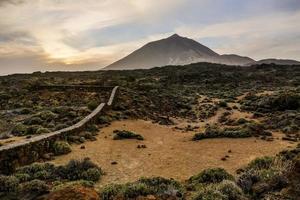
[[169, 153]]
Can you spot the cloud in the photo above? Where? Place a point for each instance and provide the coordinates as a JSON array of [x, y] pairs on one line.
[[93, 33], [15, 2], [257, 36]]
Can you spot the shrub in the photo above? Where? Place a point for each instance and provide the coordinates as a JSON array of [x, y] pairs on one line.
[[260, 163], [8, 184], [34, 168], [57, 185], [35, 186], [19, 130], [61, 147], [225, 190], [23, 177], [110, 191], [42, 175], [215, 132], [25, 111], [230, 190], [76, 170], [104, 119], [60, 126], [33, 121], [92, 174], [135, 190], [47, 115], [42, 130], [120, 135], [32, 130], [214, 175], [92, 105], [156, 186], [242, 121], [223, 104], [160, 185], [92, 128], [209, 193]]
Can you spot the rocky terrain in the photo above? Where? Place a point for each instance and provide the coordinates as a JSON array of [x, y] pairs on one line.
[[200, 131]]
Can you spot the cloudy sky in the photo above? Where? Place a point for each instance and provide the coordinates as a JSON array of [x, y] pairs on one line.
[[44, 35]]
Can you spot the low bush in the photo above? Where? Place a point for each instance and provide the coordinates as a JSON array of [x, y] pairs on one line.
[[23, 177], [230, 190], [248, 129], [35, 186], [60, 126], [92, 174], [61, 147], [33, 121], [215, 132], [120, 135], [260, 163], [19, 130], [214, 175], [77, 170], [223, 104], [92, 105], [157, 186], [226, 190], [42, 130], [8, 184]]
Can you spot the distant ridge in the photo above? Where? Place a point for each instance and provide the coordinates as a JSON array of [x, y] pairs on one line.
[[174, 50], [276, 61]]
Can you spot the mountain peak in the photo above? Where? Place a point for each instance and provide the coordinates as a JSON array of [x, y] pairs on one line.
[[174, 50], [175, 35]]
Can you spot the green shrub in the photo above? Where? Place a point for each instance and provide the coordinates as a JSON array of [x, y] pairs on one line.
[[110, 191], [42, 175], [230, 190], [23, 177], [214, 175], [25, 111], [223, 104], [242, 121], [47, 115], [260, 163], [33, 121], [135, 190], [230, 132], [92, 105], [19, 130], [58, 185], [92, 128], [120, 135], [35, 186], [157, 186], [34, 168], [85, 169], [225, 190], [209, 193], [60, 126], [33, 129], [42, 130], [61, 147], [8, 184], [92, 174]]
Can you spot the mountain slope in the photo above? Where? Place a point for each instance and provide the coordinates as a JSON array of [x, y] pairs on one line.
[[174, 50]]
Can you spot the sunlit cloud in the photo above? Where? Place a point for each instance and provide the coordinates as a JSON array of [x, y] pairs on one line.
[[73, 34]]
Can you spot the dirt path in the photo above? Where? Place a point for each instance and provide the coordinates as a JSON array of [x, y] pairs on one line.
[[169, 153]]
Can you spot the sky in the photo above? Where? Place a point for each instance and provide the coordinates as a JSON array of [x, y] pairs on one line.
[[51, 35]]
